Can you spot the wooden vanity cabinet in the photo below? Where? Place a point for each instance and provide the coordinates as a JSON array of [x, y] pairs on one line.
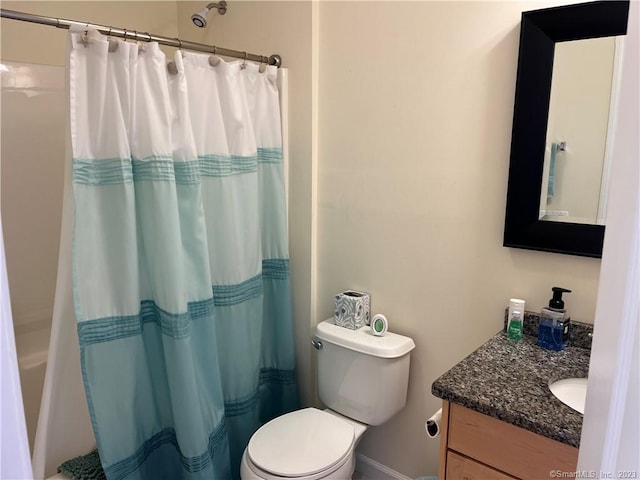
[[475, 446]]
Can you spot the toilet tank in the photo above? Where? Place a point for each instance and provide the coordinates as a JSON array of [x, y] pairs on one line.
[[362, 376]]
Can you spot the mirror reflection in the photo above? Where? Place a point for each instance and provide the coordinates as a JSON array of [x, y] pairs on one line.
[[580, 131]]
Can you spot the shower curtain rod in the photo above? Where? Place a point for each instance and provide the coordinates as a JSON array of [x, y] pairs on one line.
[[140, 36]]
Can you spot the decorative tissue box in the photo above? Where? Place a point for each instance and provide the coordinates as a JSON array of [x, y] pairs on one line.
[[353, 309]]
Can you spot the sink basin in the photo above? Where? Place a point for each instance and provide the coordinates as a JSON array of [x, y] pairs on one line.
[[571, 392]]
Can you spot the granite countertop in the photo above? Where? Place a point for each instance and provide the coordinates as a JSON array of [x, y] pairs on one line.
[[510, 381]]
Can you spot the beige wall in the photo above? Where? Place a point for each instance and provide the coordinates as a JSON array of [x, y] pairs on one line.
[[416, 105]]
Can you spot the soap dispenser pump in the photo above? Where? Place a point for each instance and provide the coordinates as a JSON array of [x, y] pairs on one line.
[[553, 332]]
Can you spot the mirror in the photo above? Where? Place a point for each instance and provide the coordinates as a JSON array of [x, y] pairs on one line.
[[542, 33], [580, 130]]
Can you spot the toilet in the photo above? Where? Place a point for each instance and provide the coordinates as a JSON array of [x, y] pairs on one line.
[[362, 379]]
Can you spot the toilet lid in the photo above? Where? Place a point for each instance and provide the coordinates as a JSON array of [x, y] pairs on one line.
[[301, 443]]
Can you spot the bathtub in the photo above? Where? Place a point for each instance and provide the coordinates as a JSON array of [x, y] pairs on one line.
[[32, 346]]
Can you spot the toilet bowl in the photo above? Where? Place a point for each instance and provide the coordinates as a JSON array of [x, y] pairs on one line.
[[312, 444], [362, 379]]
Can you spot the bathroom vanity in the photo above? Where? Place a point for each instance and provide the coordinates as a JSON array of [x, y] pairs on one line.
[[478, 447], [499, 418]]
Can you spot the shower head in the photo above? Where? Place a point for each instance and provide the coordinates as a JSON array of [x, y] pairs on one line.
[[199, 19]]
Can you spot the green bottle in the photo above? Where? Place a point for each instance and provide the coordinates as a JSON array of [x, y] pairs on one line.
[[514, 329]]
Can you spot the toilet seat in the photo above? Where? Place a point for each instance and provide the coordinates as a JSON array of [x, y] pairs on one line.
[[305, 443]]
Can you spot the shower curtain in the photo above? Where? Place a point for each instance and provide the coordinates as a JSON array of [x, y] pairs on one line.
[[180, 263]]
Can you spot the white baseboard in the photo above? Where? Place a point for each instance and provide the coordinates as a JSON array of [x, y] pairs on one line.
[[371, 469]]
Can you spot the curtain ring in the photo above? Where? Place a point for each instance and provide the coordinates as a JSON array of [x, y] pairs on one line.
[[214, 59], [125, 35], [113, 44], [141, 46], [84, 38], [179, 46], [244, 61], [150, 37]]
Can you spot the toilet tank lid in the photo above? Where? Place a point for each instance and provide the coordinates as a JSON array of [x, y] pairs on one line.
[[391, 345]]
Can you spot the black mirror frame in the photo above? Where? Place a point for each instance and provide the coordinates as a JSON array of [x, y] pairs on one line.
[[540, 31]]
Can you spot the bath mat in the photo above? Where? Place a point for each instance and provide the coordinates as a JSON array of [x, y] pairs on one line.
[[85, 467]]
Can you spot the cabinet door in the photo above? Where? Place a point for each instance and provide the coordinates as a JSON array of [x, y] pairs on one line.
[[510, 449], [463, 468]]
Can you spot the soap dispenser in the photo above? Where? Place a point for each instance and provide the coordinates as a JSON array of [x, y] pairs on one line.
[[553, 332]]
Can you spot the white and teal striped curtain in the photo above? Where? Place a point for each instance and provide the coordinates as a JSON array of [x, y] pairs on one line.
[[180, 263]]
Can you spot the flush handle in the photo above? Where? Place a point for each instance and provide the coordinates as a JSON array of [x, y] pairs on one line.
[[317, 344]]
